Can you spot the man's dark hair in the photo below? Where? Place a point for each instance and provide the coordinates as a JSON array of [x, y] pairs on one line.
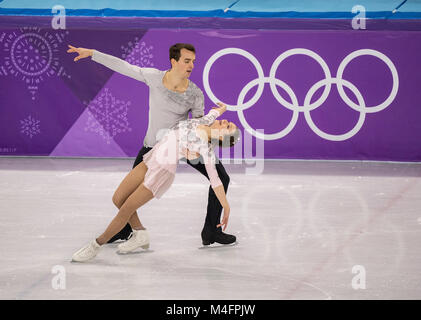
[[176, 48]]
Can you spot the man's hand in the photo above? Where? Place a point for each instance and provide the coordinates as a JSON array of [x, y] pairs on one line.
[[83, 53]]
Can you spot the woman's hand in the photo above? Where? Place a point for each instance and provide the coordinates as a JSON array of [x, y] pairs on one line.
[[83, 53], [222, 108], [225, 218]]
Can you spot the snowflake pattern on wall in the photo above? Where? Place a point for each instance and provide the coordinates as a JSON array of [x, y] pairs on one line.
[[138, 53], [30, 126], [32, 55], [107, 116]]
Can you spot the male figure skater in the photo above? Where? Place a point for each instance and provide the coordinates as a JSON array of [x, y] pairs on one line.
[[171, 97]]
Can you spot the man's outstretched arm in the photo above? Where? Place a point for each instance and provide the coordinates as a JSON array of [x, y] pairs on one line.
[[111, 62]]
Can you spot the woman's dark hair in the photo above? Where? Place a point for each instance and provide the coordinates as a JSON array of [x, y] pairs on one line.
[[228, 140], [176, 48]]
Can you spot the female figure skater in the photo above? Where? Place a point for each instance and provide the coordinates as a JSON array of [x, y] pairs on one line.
[[155, 174]]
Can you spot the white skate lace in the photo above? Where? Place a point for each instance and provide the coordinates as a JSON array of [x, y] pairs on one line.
[[135, 237]]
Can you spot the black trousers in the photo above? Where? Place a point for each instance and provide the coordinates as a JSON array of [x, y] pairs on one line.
[[214, 209]]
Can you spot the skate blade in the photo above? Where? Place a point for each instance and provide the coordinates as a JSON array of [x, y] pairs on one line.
[[135, 251], [218, 245]]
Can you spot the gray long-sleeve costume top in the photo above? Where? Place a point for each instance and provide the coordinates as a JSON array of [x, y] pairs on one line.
[[166, 107]]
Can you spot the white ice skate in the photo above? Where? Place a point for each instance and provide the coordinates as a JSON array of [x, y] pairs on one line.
[[139, 239], [87, 252]]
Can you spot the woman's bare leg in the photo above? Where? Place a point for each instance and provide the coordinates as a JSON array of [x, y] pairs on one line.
[[137, 199], [129, 184], [135, 223]]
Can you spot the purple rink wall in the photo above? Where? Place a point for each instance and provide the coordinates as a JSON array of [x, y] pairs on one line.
[[322, 92]]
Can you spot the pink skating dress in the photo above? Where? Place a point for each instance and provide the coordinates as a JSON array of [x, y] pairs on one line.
[[163, 158]]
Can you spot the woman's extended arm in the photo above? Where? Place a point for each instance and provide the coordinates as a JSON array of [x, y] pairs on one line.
[[222, 108], [220, 194], [217, 186], [213, 114]]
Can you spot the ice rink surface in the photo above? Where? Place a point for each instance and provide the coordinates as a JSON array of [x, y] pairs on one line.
[[305, 230]]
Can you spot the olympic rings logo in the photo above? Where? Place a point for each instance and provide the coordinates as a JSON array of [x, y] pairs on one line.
[[308, 106]]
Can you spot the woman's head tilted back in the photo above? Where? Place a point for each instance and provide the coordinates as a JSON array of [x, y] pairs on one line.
[[224, 133]]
